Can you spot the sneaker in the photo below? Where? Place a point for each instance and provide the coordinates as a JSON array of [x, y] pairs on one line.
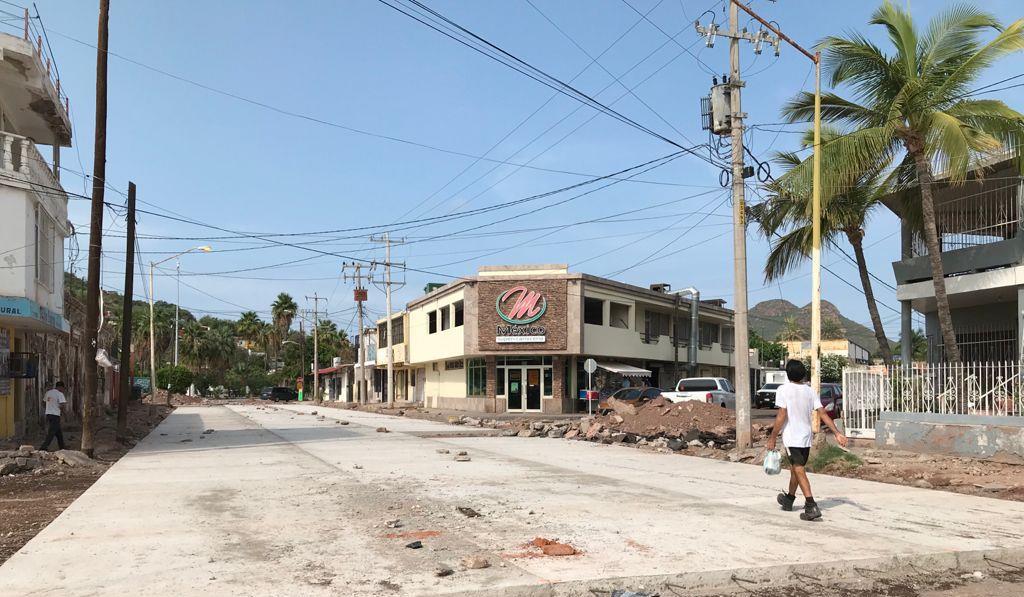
[[785, 501], [811, 512]]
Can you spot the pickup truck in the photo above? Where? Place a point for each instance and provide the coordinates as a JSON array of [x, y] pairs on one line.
[[711, 390]]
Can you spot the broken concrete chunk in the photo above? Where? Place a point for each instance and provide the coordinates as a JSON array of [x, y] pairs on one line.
[[461, 458], [393, 524], [76, 458], [382, 430], [475, 562], [26, 448], [467, 511], [8, 468], [443, 571], [207, 432], [442, 451], [414, 545], [342, 422]]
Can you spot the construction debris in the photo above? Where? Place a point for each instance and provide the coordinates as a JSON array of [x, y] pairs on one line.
[[468, 512], [462, 457], [382, 430], [443, 571], [414, 545], [475, 562]]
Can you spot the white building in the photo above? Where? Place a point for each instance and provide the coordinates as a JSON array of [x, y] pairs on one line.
[[33, 227]]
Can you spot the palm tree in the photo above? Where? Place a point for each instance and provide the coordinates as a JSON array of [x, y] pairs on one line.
[[192, 344], [832, 329], [788, 209], [249, 327], [791, 330], [916, 102], [283, 312]]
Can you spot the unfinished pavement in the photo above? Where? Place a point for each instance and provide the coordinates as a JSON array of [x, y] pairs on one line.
[[272, 503]]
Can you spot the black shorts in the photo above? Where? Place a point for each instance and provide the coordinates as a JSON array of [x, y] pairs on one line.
[[798, 456]]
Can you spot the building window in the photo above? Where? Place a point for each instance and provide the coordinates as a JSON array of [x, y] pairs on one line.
[[499, 381], [397, 331], [454, 365], [683, 330], [655, 325], [728, 338], [432, 322], [458, 313], [446, 318], [476, 377], [593, 311], [619, 314], [548, 381], [44, 247], [708, 334], [382, 334]]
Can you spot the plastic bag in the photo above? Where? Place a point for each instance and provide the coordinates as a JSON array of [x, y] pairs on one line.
[[773, 462]]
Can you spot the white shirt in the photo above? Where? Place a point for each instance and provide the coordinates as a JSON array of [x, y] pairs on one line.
[[800, 402], [53, 399]]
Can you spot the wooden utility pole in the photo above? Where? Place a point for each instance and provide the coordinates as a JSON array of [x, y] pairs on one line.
[[99, 175], [360, 296], [386, 239], [126, 322], [316, 345]]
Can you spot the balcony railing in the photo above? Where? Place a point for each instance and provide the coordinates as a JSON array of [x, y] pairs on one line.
[[976, 219], [21, 161]]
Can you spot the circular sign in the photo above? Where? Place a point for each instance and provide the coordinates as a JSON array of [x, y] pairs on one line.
[[590, 365], [520, 306]]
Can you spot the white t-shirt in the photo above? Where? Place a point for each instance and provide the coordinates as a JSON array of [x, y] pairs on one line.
[[53, 399], [800, 402]]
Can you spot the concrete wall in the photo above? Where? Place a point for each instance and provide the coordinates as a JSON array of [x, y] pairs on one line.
[[445, 389], [17, 247], [996, 438]]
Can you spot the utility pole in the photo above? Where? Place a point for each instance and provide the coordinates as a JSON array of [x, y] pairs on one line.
[[360, 297], [739, 216], [177, 302], [126, 321], [316, 346], [99, 175], [386, 239]]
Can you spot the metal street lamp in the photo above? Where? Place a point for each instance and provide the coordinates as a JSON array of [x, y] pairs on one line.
[[152, 327]]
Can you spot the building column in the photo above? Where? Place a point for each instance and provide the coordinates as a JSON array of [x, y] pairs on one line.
[[492, 387], [558, 382]]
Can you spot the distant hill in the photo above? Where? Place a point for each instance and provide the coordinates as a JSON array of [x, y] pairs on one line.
[[768, 318]]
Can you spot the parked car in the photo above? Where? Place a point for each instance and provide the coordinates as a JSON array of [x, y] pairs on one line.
[[765, 397], [635, 396], [278, 393], [712, 390], [832, 399]]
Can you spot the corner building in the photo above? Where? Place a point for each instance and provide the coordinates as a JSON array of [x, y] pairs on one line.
[[514, 339]]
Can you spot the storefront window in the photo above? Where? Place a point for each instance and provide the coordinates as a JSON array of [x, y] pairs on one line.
[[547, 381], [476, 377], [499, 382]]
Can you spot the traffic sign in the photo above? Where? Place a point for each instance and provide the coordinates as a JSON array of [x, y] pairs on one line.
[[590, 365]]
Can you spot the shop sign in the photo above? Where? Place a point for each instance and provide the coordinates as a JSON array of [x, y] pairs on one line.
[[520, 308]]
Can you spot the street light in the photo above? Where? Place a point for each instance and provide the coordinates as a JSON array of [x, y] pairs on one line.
[[152, 327]]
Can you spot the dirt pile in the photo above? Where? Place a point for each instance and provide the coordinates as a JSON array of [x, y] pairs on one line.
[[662, 418]]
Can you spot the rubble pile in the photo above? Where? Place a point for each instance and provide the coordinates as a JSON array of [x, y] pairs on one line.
[[658, 424], [27, 459]]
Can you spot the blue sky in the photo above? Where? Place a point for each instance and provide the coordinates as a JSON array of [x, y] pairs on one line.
[[358, 63]]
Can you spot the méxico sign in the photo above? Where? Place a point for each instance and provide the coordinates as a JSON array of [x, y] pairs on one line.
[[520, 307]]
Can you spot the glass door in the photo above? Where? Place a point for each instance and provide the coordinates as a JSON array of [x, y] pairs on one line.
[[514, 387], [533, 388]]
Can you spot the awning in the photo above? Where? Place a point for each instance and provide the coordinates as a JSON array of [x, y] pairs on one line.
[[624, 369]]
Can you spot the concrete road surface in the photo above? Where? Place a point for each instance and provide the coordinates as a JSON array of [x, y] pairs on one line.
[[277, 502]]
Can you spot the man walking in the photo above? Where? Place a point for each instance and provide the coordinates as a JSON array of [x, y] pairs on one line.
[[796, 403], [55, 401]]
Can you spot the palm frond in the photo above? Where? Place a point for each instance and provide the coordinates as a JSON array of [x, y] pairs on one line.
[[969, 67], [954, 34], [902, 34]]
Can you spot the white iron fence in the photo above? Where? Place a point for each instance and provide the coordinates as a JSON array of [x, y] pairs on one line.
[[993, 389]]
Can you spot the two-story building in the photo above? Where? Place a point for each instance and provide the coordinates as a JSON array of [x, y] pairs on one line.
[[515, 338], [33, 226], [982, 252]]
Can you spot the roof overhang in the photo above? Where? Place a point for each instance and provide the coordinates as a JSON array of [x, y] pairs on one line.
[[623, 369]]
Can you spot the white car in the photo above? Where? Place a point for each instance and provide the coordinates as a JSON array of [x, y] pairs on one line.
[[710, 390], [765, 397]]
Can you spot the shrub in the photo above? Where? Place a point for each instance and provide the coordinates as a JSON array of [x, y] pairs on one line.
[[178, 378], [833, 455]]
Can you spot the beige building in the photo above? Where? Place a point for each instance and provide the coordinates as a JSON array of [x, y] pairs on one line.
[[514, 338], [853, 352]]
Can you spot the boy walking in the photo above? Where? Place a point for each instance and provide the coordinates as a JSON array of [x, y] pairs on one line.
[[796, 403], [55, 401]]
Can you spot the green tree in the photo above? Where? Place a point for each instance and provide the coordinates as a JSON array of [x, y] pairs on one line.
[[770, 352], [832, 329], [178, 378], [283, 311], [785, 221], [917, 102], [249, 327], [831, 367], [791, 330]]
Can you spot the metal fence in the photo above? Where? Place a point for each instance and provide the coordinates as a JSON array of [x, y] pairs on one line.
[[994, 389], [977, 218]]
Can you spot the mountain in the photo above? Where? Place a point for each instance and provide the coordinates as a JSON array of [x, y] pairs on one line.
[[768, 318]]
